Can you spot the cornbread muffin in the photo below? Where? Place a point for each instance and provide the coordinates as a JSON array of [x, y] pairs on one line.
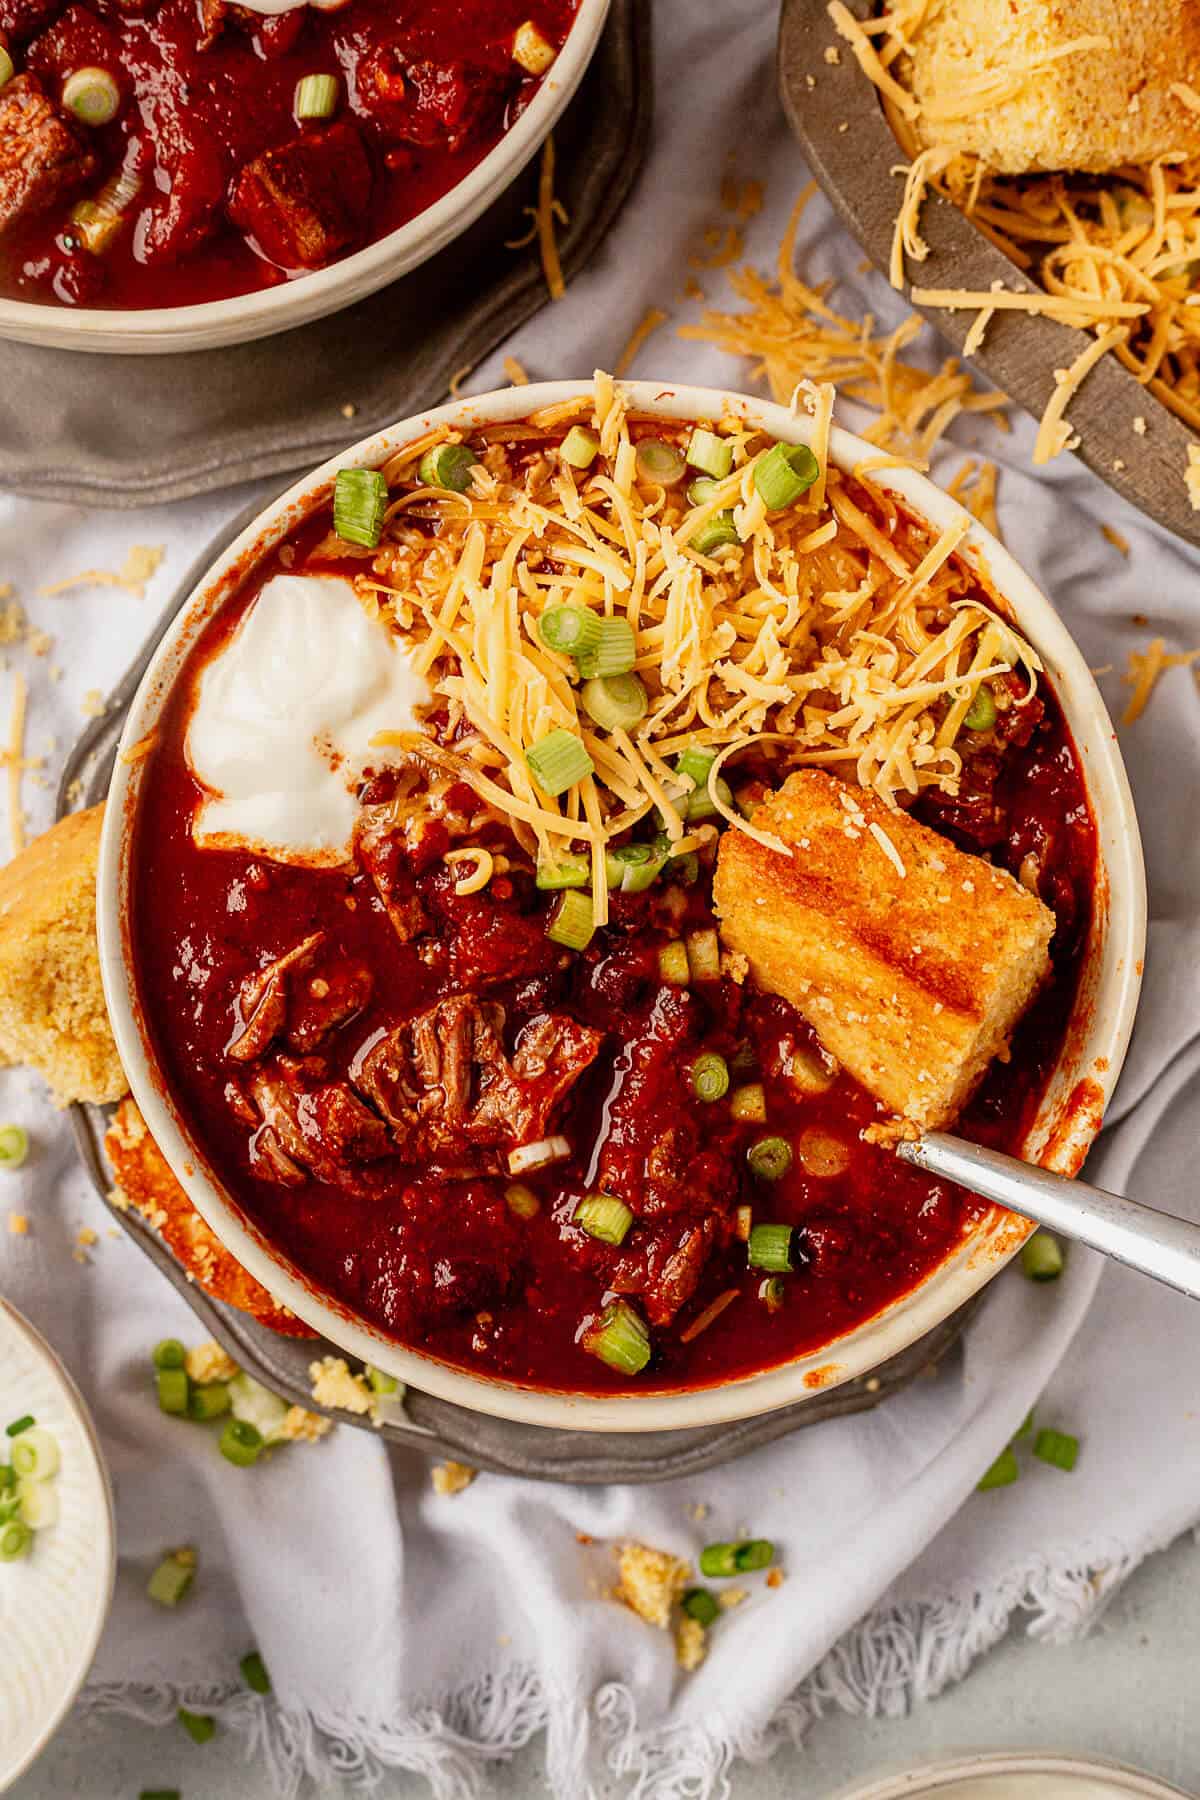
[[52, 1012], [991, 79], [911, 960]]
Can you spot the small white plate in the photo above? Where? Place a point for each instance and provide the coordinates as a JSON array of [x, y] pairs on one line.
[[54, 1602], [1016, 1775]]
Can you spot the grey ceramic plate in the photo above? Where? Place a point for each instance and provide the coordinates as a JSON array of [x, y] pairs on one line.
[[1019, 353], [438, 1426]]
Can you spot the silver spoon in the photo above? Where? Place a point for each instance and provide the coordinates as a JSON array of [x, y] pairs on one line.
[[1156, 1243]]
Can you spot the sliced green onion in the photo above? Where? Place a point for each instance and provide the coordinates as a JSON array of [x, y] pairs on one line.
[[571, 629], [14, 1146], [174, 1389], [169, 1354], [605, 1217], [558, 761], [704, 955], [580, 447], [981, 714], [619, 1338], [633, 867], [521, 1201], [716, 532], [7, 1479], [749, 1104], [712, 454], [6, 67], [702, 490], [20, 1425], [772, 1292], [254, 1673], [172, 1579], [447, 466], [359, 503], [659, 462], [784, 473], [571, 921], [770, 1248], [206, 1403], [92, 95], [1058, 1448], [685, 868], [241, 1443], [1025, 1428], [35, 1454], [16, 1540], [752, 1554], [710, 1076], [379, 1382], [316, 97], [614, 652], [673, 963], [1003, 1472], [199, 1727], [566, 871], [616, 702], [1042, 1257], [769, 1158], [700, 1605], [718, 1560], [696, 765], [37, 1504]]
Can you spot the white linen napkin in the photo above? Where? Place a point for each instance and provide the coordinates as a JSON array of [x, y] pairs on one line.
[[432, 1633]]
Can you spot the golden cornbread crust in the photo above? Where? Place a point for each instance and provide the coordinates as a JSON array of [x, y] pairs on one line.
[[52, 1012], [913, 980], [1092, 110]]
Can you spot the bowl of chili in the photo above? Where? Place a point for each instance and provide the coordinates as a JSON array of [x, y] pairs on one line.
[[471, 1083], [176, 178]]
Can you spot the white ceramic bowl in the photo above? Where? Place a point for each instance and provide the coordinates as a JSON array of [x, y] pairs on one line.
[[152, 330], [1073, 1105], [54, 1602]]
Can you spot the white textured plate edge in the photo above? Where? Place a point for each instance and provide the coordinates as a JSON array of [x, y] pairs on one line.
[[944, 1777]]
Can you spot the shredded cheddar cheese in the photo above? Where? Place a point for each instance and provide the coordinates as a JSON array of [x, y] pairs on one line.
[[1145, 668], [649, 323]]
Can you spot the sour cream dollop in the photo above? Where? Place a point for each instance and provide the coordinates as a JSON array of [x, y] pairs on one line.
[[284, 717]]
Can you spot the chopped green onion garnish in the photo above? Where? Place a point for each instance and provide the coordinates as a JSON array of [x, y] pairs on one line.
[[37, 1503], [15, 1540], [1003, 1472], [699, 1604], [566, 871], [614, 652], [316, 97], [14, 1146], [619, 1338], [605, 1217], [92, 95], [359, 503], [580, 447], [6, 67], [736, 1559], [712, 454], [206, 1403], [673, 963], [772, 1292], [770, 1247], [1025, 1428], [696, 765], [172, 1579], [1058, 1448], [710, 1076], [199, 1727], [241, 1443], [521, 1201], [571, 921], [35, 1454], [702, 490], [1042, 1257], [7, 1479], [254, 1673], [981, 714], [717, 1560], [704, 955], [616, 702], [769, 1158], [558, 761], [573, 630], [379, 1382], [20, 1425], [717, 531], [169, 1354], [173, 1390], [749, 1104], [447, 466], [784, 473], [659, 462], [633, 867]]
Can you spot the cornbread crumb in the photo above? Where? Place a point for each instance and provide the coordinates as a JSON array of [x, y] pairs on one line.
[[87, 1237], [208, 1363], [93, 706], [18, 1225], [52, 1012], [651, 1582], [728, 1598], [775, 1578], [304, 1427], [13, 623], [698, 1511], [334, 1385], [452, 1477], [81, 1256], [349, 410], [691, 1643]]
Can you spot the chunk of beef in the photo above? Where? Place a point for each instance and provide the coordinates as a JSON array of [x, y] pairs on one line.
[[22, 19], [443, 1079], [262, 1001], [491, 943], [388, 851], [413, 99], [77, 40], [323, 1127], [41, 159], [333, 995], [665, 1268], [305, 202], [288, 998], [456, 1248]]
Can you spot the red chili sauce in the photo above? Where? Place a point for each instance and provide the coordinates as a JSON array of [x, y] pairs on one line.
[[205, 183], [425, 1246]]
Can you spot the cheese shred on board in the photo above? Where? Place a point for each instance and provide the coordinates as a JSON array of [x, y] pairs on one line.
[[836, 631]]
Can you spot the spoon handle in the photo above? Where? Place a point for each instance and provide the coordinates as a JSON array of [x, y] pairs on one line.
[[1156, 1243]]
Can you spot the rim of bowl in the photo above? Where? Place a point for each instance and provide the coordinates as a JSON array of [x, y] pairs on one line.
[[1097, 1036], [244, 317]]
